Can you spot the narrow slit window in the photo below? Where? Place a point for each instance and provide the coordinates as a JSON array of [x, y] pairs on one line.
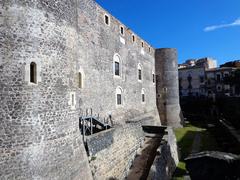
[[33, 72], [139, 74], [153, 76], [117, 68], [122, 30], [143, 96], [73, 99], [119, 99], [107, 19], [80, 80], [133, 38], [142, 44]]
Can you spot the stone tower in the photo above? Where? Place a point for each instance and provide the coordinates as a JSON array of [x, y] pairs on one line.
[[39, 128], [166, 68]]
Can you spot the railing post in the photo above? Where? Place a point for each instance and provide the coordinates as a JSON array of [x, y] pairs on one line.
[[91, 125]]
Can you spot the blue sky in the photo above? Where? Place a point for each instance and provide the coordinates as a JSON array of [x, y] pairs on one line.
[[197, 28]]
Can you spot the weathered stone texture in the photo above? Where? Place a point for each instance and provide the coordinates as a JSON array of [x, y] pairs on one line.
[[39, 135], [166, 159], [39, 128], [167, 87], [115, 160], [98, 44]]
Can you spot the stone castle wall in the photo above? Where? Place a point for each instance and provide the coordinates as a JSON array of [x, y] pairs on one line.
[[98, 45], [39, 134], [117, 152], [39, 123]]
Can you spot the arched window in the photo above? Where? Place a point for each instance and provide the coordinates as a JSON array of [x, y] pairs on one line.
[[33, 72], [139, 72], [80, 76], [119, 98], [80, 85], [117, 66], [143, 96]]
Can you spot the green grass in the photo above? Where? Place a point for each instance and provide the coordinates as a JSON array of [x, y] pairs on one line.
[[185, 138]]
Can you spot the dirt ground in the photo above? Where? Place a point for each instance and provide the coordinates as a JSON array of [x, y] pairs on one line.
[[144, 159]]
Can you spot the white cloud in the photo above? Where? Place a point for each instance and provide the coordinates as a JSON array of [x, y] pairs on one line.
[[212, 28]]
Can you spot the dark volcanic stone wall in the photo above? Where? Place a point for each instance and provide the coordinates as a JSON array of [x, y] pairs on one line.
[[39, 135], [98, 44], [39, 123], [167, 87]]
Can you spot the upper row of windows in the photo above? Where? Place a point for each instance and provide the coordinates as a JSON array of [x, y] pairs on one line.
[[117, 68], [107, 22]]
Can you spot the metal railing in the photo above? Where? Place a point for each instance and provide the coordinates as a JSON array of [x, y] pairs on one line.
[[90, 123]]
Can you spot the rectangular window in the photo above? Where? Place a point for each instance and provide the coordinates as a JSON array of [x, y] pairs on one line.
[[139, 74], [122, 30], [153, 78], [73, 100], [117, 69], [142, 44], [143, 97], [119, 99], [106, 19], [133, 38], [33, 72]]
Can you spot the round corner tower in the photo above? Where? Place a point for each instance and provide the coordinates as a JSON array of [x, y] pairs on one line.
[[167, 87]]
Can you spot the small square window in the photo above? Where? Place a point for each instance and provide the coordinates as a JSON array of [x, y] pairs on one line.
[[106, 19], [122, 30]]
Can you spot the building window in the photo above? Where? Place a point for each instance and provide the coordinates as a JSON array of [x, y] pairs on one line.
[[153, 77], [117, 73], [139, 72], [143, 96], [80, 80], [218, 77], [122, 30], [73, 100], [142, 44], [107, 19], [33, 72], [119, 96], [149, 49], [117, 65], [133, 38]]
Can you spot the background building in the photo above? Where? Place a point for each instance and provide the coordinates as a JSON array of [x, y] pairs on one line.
[[202, 78]]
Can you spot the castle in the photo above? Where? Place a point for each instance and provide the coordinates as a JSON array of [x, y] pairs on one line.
[[59, 58]]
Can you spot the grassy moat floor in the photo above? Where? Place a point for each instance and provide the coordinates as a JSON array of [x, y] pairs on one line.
[[194, 137]]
